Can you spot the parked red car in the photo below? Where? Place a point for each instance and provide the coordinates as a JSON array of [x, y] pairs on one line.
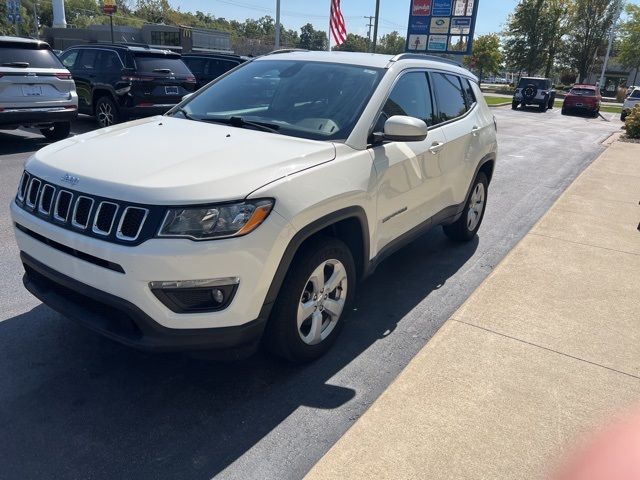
[[585, 98]]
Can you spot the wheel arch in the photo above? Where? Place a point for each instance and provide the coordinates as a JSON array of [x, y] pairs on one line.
[[348, 224], [98, 93]]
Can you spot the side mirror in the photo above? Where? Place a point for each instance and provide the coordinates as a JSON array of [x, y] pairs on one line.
[[184, 97], [400, 128]]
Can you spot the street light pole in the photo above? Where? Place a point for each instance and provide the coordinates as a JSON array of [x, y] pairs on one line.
[[277, 24], [375, 26], [611, 35]]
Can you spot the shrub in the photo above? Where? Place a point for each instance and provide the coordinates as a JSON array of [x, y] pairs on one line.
[[632, 123], [621, 93]]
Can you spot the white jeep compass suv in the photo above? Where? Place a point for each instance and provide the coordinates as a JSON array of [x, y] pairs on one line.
[[250, 210]]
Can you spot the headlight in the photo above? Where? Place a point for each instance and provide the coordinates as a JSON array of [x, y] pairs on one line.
[[217, 221]]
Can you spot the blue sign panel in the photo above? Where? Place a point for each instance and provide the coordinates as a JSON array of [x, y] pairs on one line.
[[441, 26], [441, 8]]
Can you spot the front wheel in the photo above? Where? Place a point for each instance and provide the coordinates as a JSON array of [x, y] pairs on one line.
[[466, 227], [313, 301], [57, 131]]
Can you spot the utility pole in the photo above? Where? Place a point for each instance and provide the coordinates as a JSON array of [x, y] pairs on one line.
[[370, 24], [277, 24], [36, 26], [611, 36], [375, 27]]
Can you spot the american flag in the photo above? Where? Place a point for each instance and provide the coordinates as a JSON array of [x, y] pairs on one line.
[[337, 25]]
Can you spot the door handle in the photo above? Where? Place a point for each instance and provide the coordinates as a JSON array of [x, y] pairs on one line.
[[436, 147], [475, 130]]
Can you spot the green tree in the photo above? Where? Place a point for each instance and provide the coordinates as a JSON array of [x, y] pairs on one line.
[[312, 39], [486, 57], [556, 14], [524, 36], [629, 45], [391, 43], [590, 21], [354, 43]]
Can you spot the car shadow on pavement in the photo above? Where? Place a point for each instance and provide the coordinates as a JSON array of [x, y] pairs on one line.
[[11, 143], [76, 405]]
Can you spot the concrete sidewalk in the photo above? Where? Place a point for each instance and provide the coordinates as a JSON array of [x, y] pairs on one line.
[[545, 350]]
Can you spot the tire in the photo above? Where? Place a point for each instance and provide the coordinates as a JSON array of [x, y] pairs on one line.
[[106, 112], [596, 114], [563, 111], [514, 105], [623, 116], [57, 131], [289, 333], [543, 107], [465, 228]]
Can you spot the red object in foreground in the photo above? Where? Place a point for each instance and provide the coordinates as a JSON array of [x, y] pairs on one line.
[[613, 454], [338, 27]]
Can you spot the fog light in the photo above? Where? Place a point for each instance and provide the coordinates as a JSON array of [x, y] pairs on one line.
[[196, 296], [217, 295]]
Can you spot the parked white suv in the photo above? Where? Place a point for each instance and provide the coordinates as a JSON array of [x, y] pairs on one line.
[[252, 209], [36, 90], [631, 101]]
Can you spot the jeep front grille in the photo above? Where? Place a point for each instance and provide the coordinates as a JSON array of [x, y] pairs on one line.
[[46, 199], [103, 218]]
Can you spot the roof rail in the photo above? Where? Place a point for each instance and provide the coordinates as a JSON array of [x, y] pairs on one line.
[[420, 56], [124, 44], [286, 50]]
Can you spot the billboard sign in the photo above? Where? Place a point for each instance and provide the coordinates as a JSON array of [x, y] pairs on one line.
[[441, 26], [109, 7]]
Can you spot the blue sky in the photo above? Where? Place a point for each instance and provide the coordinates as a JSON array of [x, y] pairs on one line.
[[295, 13]]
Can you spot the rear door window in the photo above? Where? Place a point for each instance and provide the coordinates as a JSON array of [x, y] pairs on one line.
[[160, 64], [87, 59], [196, 65], [469, 95], [217, 67], [109, 62], [40, 58], [450, 97]]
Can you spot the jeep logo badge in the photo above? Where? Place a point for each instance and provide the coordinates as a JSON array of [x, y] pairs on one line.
[[71, 180]]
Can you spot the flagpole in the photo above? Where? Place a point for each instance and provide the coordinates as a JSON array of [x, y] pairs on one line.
[[329, 31]]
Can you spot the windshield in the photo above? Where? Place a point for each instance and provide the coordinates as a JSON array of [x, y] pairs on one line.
[[315, 100], [540, 83], [41, 58], [158, 64], [585, 92]]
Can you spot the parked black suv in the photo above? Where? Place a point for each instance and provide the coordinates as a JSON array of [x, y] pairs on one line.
[[116, 82], [209, 66]]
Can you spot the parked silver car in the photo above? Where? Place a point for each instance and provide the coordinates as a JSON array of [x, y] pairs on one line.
[[36, 90]]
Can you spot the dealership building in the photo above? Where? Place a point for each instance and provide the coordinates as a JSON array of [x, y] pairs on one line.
[[178, 39]]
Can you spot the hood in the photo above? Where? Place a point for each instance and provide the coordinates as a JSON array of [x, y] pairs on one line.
[[164, 160]]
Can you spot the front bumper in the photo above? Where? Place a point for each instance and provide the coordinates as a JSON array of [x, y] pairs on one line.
[[121, 320], [36, 116], [253, 259]]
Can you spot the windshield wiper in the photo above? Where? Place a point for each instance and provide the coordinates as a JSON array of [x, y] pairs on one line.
[[16, 64], [186, 114], [241, 122]]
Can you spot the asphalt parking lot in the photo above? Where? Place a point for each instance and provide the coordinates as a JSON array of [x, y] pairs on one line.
[[74, 405]]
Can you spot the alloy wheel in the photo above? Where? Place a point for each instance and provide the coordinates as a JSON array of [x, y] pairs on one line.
[[105, 114], [476, 206], [322, 302]]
